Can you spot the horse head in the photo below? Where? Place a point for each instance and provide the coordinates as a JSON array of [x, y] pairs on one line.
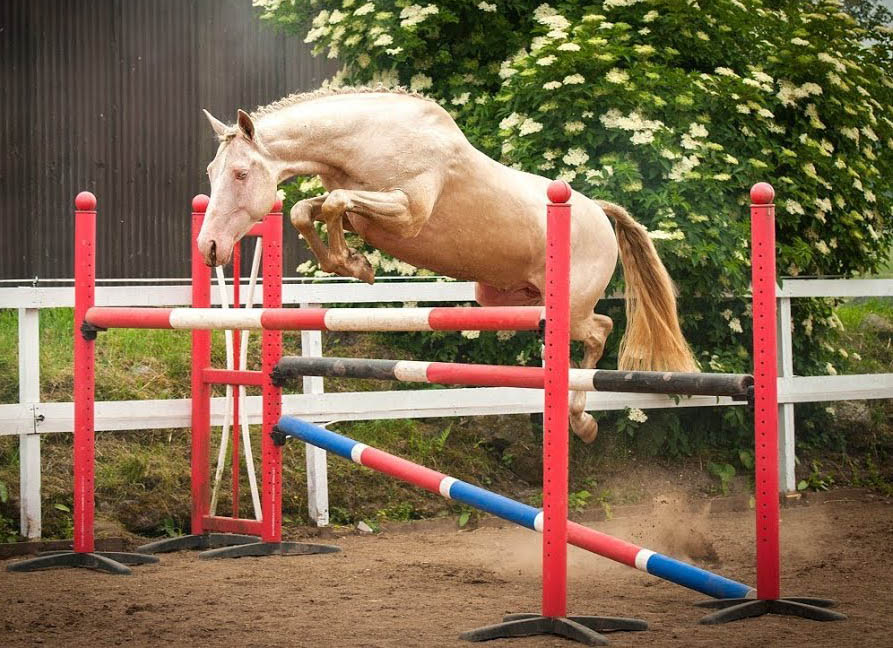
[[243, 189]]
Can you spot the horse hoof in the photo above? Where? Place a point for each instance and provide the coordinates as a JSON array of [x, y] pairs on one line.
[[585, 427]]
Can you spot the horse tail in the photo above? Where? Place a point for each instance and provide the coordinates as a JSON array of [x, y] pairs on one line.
[[653, 340]]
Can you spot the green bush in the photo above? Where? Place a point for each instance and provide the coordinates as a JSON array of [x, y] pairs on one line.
[[670, 108]]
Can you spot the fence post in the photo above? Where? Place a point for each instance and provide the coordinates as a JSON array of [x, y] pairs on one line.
[[787, 480], [29, 443], [317, 470]]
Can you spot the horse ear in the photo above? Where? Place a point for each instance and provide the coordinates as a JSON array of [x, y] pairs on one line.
[[246, 125], [218, 126]]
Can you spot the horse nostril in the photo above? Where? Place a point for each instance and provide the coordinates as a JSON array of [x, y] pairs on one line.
[[212, 253]]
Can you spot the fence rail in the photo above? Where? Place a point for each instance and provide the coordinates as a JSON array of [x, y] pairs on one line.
[[30, 418]]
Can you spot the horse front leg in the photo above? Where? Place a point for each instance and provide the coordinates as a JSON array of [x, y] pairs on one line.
[[593, 333], [302, 215], [388, 209], [337, 257]]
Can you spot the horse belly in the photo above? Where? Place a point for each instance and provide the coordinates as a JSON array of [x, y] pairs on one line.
[[522, 295], [452, 253]]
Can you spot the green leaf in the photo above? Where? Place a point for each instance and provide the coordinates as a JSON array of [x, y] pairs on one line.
[[62, 507], [802, 485], [4, 494], [463, 518]]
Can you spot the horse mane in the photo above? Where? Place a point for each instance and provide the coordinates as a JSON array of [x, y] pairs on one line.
[[303, 97]]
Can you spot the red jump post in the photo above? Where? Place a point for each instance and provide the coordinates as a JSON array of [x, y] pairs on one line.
[[83, 552], [554, 619], [765, 373], [222, 536]]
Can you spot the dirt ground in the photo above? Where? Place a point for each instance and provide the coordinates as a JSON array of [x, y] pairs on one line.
[[422, 584]]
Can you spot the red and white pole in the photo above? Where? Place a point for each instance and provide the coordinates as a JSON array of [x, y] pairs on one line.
[[201, 390], [271, 343], [557, 360], [765, 373], [84, 377]]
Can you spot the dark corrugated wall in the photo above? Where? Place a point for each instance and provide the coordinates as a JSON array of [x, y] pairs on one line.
[[106, 95]]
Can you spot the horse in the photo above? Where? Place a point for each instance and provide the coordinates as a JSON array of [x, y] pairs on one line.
[[399, 172]]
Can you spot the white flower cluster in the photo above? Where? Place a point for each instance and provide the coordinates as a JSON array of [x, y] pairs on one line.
[[471, 335], [675, 235], [420, 82], [683, 167], [611, 4], [415, 14], [615, 75], [636, 415], [759, 75], [575, 157], [790, 93], [824, 57], [813, 115], [378, 260], [546, 15], [529, 126], [642, 129], [306, 267], [486, 6], [511, 121]]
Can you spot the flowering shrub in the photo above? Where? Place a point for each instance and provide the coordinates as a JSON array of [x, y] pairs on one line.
[[671, 108]]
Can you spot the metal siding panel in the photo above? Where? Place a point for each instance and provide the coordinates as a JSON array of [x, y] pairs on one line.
[[107, 96]]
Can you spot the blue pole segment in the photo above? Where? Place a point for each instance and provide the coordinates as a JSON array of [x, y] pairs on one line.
[[498, 505], [316, 435], [696, 578]]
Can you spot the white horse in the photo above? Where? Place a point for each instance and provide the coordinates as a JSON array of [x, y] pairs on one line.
[[401, 174]]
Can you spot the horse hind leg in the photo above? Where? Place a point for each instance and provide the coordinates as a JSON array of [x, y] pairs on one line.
[[593, 333]]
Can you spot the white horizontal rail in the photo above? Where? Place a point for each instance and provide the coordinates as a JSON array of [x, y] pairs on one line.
[[384, 292], [346, 406], [423, 403], [813, 389], [322, 293], [836, 288]]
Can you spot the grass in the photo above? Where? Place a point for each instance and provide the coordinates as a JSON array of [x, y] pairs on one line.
[[873, 349]]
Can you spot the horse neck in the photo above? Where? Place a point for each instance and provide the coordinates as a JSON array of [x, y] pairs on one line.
[[302, 139]]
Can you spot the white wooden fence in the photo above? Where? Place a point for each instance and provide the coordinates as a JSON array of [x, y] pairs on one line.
[[29, 418]]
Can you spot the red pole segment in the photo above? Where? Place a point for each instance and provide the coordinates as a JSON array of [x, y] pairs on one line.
[[201, 390], [84, 376], [492, 318], [106, 317], [271, 342], [470, 374], [557, 359], [762, 213]]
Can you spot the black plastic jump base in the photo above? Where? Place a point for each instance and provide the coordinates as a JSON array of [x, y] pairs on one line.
[[111, 562], [582, 629], [234, 545], [806, 607]]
